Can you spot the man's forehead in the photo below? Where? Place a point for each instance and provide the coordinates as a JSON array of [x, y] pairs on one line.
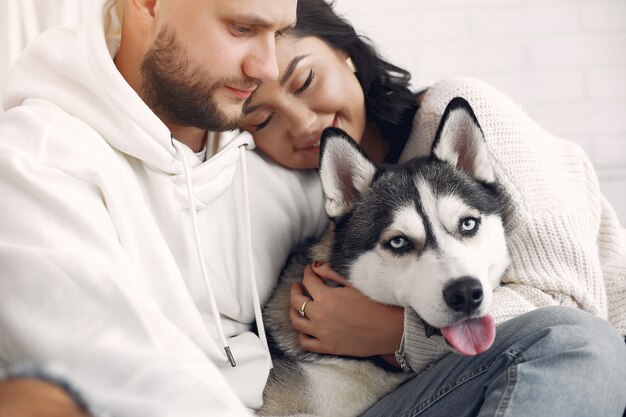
[[278, 14]]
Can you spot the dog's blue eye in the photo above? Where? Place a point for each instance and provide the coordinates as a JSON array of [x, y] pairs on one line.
[[468, 225], [399, 244]]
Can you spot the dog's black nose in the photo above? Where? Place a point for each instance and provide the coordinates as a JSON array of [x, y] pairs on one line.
[[464, 294]]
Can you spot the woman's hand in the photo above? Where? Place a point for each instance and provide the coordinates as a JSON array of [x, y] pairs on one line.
[[341, 320]]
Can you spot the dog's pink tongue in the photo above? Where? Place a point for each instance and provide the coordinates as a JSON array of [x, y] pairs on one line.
[[472, 336]]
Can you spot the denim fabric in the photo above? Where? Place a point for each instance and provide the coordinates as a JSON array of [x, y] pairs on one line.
[[554, 362]]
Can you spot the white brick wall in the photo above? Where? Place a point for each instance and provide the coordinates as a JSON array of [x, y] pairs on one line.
[[564, 61]]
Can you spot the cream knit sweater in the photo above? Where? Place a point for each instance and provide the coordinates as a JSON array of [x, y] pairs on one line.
[[566, 244]]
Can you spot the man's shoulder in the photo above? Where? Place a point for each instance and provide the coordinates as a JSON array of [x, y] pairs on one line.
[[42, 131], [277, 180], [286, 206]]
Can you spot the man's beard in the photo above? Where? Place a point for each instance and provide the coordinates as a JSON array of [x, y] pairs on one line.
[[179, 93]]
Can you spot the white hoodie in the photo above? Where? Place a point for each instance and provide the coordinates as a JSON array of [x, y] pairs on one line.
[[99, 262]]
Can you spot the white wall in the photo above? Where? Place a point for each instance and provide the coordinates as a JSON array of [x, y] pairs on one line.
[[564, 61]]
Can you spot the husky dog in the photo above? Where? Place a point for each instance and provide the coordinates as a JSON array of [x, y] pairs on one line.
[[427, 234]]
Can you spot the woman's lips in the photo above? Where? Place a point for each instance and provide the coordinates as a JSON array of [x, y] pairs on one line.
[[314, 145]]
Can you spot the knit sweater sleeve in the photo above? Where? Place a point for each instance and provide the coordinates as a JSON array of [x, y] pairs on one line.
[[565, 242]]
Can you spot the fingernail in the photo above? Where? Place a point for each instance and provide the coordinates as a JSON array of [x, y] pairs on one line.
[[317, 264]]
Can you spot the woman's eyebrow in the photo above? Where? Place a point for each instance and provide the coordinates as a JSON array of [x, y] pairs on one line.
[[293, 64], [291, 68]]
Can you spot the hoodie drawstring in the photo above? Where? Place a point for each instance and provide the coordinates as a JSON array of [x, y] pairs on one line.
[[251, 271], [253, 283], [196, 233]]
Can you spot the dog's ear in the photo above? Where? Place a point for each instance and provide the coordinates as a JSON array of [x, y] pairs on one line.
[[460, 141], [346, 172]]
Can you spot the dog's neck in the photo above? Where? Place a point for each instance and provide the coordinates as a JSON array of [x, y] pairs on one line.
[[322, 249]]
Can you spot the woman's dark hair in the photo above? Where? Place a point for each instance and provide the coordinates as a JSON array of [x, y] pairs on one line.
[[388, 99]]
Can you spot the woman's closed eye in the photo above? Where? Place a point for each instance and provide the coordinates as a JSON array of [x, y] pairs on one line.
[[305, 85], [264, 123]]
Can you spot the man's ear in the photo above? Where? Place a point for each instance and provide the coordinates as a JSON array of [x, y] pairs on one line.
[[460, 141], [143, 13], [346, 172]]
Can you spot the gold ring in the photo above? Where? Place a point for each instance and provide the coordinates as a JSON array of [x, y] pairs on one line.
[[302, 313]]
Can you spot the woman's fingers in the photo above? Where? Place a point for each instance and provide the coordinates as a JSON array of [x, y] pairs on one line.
[[323, 270], [297, 297], [311, 288], [311, 344], [313, 283], [302, 324], [341, 320], [308, 334], [301, 305]]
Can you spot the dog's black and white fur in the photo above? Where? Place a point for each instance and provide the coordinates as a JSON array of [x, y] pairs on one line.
[[427, 234]]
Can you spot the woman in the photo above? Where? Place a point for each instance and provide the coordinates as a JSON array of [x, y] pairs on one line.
[[330, 77], [353, 88], [318, 88]]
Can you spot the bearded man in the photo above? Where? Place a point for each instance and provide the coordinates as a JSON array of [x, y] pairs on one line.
[[133, 257]]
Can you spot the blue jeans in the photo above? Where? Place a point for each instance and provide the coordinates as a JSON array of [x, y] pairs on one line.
[[554, 362]]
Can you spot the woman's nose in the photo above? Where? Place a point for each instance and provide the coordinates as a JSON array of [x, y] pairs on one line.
[[304, 121]]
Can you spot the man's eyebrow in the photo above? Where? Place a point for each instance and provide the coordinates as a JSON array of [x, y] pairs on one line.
[[290, 69], [287, 28], [255, 20], [252, 20]]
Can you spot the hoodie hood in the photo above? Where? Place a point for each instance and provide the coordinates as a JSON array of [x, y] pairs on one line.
[[75, 71]]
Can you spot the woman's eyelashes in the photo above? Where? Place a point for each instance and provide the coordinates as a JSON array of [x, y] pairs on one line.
[[305, 85], [264, 123]]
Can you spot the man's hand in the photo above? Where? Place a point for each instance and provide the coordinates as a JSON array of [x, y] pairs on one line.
[[341, 320], [29, 397]]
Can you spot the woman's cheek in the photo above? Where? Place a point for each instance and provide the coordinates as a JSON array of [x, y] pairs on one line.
[[349, 102]]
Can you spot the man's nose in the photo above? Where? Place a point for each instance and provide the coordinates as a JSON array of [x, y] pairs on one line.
[[261, 63]]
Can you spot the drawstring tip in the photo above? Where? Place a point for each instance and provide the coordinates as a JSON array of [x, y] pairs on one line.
[[230, 356]]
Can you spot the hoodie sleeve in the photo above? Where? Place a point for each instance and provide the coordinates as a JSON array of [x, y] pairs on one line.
[[68, 293]]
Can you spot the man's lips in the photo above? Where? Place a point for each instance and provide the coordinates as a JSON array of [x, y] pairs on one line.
[[241, 93]]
